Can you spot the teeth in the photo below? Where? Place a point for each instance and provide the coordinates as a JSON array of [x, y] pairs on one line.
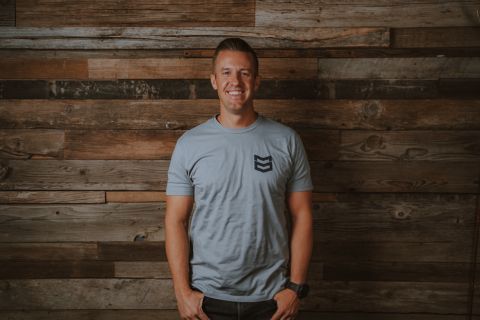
[[234, 93]]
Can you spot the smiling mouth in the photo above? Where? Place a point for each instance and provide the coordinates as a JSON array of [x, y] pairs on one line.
[[235, 93]]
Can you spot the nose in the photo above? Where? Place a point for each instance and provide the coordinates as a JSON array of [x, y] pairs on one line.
[[235, 78]]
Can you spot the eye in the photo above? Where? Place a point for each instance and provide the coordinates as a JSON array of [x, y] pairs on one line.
[[225, 72]]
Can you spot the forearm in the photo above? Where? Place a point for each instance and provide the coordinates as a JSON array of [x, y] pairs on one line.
[[301, 245]]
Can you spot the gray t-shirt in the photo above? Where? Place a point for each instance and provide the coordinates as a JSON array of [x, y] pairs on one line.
[[239, 178]]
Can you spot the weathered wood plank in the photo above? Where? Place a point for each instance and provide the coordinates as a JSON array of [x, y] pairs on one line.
[[92, 175], [106, 144], [132, 251], [31, 89], [410, 145], [395, 218], [7, 13], [309, 13], [135, 196], [27, 144], [386, 89], [187, 38], [14, 68], [56, 269], [338, 176], [397, 271], [26, 197], [405, 176], [89, 222], [185, 114], [436, 37], [184, 13], [447, 298], [399, 68], [48, 251], [173, 315], [458, 88], [142, 269], [87, 294]]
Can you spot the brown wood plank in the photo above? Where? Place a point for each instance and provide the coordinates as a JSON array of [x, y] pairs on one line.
[[404, 176], [184, 13], [7, 13], [398, 13], [91, 175], [132, 251], [399, 68], [14, 68], [184, 114], [48, 251], [135, 196], [87, 294], [410, 145], [155, 314], [56, 269], [396, 218], [87, 38], [88, 222], [142, 269], [105, 145], [26, 197], [436, 37], [173, 315], [27, 144], [382, 296]]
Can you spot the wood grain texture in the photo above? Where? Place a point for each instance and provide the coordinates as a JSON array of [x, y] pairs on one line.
[[187, 38], [28, 144], [184, 13], [7, 13], [88, 222], [311, 13], [141, 269], [436, 37], [136, 196], [48, 251], [399, 68], [138, 250], [28, 197], [84, 175], [438, 114], [106, 144], [36, 68], [395, 218], [410, 145], [56, 269]]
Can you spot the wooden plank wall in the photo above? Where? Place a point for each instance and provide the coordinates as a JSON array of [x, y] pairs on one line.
[[385, 94]]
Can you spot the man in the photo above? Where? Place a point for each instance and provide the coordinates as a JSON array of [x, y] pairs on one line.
[[236, 259]]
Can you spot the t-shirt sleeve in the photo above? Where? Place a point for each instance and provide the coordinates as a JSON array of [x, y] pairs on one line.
[[179, 182], [300, 179]]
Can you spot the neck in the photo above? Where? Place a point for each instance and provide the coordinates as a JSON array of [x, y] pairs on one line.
[[237, 121]]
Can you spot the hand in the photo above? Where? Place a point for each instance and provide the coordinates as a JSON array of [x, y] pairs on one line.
[[288, 303], [190, 305]]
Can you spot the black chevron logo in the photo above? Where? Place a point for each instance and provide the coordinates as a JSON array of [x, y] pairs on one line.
[[262, 164]]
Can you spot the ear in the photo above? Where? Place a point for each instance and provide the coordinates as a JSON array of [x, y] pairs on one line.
[[213, 81]]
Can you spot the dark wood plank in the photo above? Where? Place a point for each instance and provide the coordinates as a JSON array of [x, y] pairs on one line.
[[458, 88], [189, 38], [410, 145], [87, 294], [88, 222], [155, 314], [183, 13], [405, 176], [396, 13], [385, 218], [135, 196], [399, 68], [48, 251], [31, 89], [7, 13], [142, 269], [56, 269], [185, 114], [83, 175], [386, 89], [310, 315], [436, 37], [28, 144], [132, 251], [26, 197]]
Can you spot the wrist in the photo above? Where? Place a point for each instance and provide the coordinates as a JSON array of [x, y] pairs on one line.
[[300, 289]]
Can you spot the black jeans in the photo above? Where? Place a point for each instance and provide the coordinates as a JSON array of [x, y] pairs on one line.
[[227, 310]]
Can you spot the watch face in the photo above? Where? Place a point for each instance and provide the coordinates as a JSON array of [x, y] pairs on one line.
[[303, 292]]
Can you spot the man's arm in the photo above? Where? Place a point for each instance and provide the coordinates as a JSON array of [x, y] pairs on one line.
[[178, 249], [301, 244]]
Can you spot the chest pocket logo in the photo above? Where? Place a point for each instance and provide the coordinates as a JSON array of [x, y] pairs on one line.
[[263, 164]]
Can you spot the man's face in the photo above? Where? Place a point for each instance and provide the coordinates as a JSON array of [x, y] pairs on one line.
[[235, 80]]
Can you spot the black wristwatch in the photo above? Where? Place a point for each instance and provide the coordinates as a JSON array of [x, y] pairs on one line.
[[300, 289]]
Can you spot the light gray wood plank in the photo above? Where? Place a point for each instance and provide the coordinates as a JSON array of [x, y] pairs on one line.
[[397, 13], [184, 38]]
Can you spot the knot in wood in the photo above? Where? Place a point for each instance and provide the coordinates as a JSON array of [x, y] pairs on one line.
[[373, 142], [402, 213]]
